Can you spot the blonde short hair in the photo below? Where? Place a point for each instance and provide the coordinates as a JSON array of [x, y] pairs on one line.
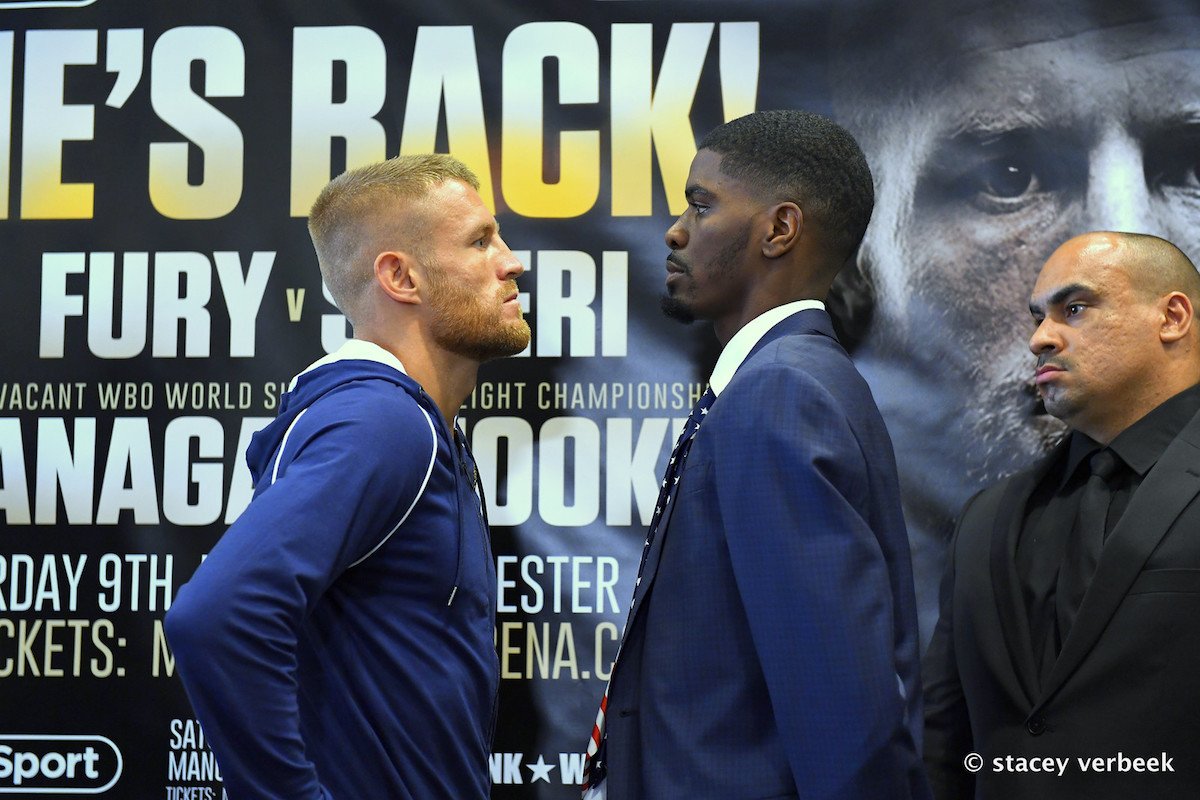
[[360, 206]]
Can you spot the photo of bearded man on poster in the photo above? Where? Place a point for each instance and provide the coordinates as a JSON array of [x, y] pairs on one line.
[[996, 131]]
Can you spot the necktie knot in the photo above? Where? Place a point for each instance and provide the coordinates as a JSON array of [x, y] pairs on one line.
[[1103, 464]]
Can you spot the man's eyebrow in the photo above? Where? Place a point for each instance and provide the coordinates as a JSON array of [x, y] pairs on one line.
[[985, 123], [1058, 296], [491, 226], [696, 189]]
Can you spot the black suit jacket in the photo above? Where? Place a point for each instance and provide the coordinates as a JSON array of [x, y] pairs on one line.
[[1127, 682]]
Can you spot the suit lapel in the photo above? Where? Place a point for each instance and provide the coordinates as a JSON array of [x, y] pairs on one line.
[[1167, 489], [653, 555], [1006, 583], [810, 321]]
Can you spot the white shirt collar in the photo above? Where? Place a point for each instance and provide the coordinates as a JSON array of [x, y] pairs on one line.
[[357, 350], [743, 341]]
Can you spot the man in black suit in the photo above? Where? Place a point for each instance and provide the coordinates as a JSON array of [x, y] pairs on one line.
[[996, 130], [1066, 661]]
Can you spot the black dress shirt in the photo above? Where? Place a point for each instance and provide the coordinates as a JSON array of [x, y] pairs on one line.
[[1054, 507]]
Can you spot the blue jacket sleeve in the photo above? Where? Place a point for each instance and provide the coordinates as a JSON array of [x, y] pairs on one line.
[[354, 470], [793, 482]]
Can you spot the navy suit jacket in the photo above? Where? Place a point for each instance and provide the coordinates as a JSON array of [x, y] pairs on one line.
[[772, 652], [1127, 679]]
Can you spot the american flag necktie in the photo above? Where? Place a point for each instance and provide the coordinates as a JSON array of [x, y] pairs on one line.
[[595, 768]]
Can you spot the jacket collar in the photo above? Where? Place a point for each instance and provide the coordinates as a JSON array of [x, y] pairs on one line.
[[1168, 488], [745, 341]]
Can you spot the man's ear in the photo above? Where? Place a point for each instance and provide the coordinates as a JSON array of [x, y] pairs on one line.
[[1178, 317], [787, 224], [393, 273]]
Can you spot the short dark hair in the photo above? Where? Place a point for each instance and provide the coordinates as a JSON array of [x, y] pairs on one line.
[[805, 158]]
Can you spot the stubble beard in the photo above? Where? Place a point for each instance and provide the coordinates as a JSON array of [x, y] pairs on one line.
[[721, 265], [676, 309], [476, 329], [1060, 405]]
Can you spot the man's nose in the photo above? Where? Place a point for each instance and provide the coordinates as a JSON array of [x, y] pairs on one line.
[[677, 235], [1044, 338], [1118, 198], [510, 265]]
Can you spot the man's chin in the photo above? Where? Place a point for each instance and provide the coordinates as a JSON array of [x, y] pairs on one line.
[[485, 344], [515, 339], [676, 310]]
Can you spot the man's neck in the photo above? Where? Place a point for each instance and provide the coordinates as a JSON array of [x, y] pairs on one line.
[[446, 377], [726, 327], [1104, 430]]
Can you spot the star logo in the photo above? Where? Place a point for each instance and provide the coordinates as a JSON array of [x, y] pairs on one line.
[[540, 770]]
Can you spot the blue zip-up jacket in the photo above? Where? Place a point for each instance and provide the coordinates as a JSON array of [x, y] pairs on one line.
[[338, 640]]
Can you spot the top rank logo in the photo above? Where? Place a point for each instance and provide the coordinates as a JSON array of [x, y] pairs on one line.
[[45, 3], [54, 764]]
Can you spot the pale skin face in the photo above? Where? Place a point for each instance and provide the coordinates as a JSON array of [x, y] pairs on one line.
[[1025, 145], [449, 303], [470, 275]]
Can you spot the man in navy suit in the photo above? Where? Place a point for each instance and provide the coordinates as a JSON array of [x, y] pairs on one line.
[[771, 648]]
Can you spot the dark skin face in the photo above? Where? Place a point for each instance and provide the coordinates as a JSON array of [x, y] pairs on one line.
[[710, 247], [733, 254]]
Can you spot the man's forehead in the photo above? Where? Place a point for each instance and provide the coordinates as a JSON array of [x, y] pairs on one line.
[[943, 42], [1113, 46], [983, 26], [971, 65], [705, 179], [1092, 265], [453, 190], [1072, 87], [705, 170], [453, 197]]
